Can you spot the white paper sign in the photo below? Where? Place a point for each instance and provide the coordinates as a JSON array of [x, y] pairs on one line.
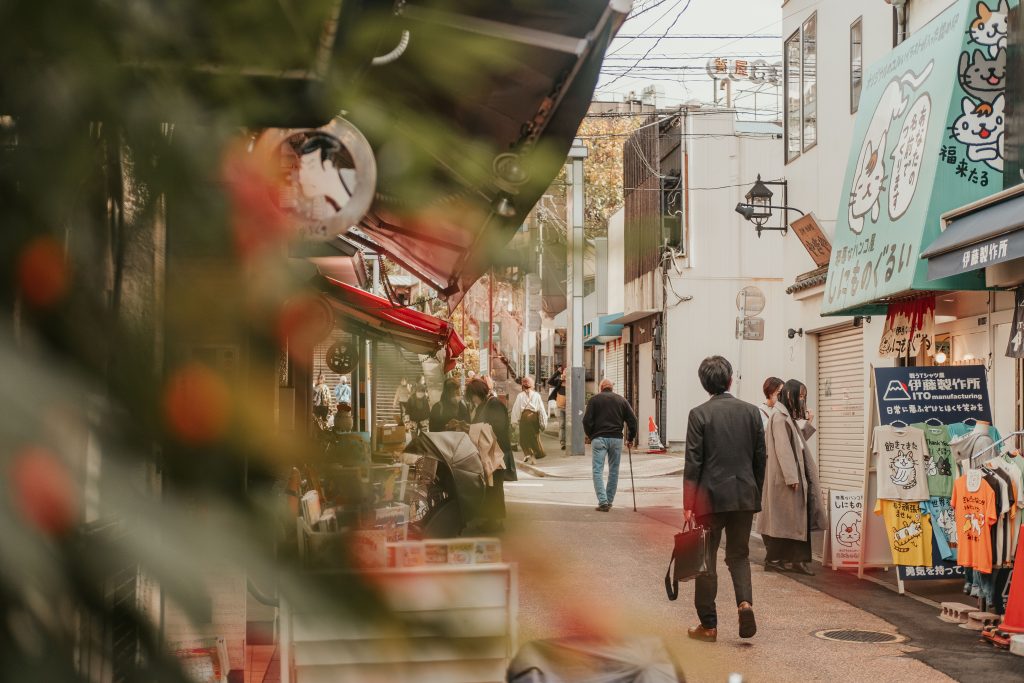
[[846, 516]]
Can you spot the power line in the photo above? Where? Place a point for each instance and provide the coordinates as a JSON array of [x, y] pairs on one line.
[[651, 49], [702, 36]]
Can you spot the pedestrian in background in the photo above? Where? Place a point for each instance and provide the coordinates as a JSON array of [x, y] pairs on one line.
[[449, 414], [402, 395], [603, 422], [343, 393], [722, 480], [418, 409], [321, 398], [791, 504], [772, 387], [490, 409], [557, 384], [530, 413]]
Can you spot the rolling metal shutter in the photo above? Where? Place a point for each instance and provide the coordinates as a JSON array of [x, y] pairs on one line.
[[613, 365], [840, 409]]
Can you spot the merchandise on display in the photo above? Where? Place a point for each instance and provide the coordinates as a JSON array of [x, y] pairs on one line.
[[901, 451]]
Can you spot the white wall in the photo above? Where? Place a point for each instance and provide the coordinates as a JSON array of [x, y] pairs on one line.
[[816, 176], [725, 256]]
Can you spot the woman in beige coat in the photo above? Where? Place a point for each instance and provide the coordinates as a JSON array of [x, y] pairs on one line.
[[791, 505]]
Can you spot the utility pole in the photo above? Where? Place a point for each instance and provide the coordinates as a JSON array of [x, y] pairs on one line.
[[574, 393], [526, 326]]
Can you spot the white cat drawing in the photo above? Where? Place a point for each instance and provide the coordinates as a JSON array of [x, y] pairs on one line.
[[903, 471], [991, 26], [869, 172], [981, 128]]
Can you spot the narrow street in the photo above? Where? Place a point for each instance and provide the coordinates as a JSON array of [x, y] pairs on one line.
[[584, 572]]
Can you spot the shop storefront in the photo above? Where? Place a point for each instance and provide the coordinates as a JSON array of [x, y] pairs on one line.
[[937, 387]]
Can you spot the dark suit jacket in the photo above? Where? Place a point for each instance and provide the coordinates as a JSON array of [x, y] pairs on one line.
[[725, 457]]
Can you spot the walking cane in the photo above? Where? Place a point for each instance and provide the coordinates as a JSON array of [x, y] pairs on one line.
[[629, 449]]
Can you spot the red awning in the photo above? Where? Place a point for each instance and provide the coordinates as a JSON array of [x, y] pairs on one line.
[[378, 318]]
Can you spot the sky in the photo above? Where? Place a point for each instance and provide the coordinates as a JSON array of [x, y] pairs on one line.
[[676, 66]]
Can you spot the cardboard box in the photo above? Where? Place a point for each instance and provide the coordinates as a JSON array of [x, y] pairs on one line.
[[391, 435]]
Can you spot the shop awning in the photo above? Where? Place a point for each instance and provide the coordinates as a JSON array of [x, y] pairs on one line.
[[602, 329], [988, 233], [906, 169], [632, 317], [377, 318], [482, 106]]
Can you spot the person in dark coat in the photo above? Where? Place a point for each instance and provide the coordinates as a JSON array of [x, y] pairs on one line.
[[417, 409], [603, 422], [450, 411], [791, 505], [490, 409], [722, 482]]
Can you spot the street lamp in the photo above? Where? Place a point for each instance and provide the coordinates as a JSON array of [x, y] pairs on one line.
[[758, 209]]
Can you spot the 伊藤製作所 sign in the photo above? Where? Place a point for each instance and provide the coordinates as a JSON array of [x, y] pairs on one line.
[[948, 394]]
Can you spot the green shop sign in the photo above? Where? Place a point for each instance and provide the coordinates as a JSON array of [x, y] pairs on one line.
[[928, 138]]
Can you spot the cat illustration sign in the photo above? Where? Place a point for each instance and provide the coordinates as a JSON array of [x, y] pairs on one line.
[[846, 517], [917, 394], [941, 92]]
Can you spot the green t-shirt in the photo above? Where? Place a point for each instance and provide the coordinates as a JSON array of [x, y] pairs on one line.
[[939, 464]]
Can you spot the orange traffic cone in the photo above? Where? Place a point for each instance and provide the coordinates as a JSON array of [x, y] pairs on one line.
[[654, 444]]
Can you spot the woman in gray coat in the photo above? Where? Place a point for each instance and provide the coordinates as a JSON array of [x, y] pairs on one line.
[[791, 505]]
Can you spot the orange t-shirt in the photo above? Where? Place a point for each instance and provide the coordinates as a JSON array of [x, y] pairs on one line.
[[975, 512]]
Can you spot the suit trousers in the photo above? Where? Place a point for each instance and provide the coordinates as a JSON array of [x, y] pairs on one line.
[[736, 526]]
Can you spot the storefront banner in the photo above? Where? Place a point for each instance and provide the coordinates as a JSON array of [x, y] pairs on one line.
[[1015, 347], [948, 394], [939, 92], [909, 328], [977, 256], [846, 515]]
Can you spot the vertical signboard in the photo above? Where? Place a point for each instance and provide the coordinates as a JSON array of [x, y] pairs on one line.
[[846, 517]]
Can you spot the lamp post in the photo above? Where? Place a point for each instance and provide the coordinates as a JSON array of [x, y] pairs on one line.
[[758, 209]]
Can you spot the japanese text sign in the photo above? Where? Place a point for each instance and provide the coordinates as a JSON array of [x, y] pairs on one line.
[[948, 394], [809, 232], [846, 516], [893, 194]]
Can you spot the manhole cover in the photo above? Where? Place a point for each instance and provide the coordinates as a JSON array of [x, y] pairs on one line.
[[854, 635]]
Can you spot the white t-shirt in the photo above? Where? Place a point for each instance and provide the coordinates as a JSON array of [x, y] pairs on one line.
[[901, 471]]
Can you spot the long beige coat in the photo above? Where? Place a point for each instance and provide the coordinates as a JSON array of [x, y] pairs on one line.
[[784, 512]]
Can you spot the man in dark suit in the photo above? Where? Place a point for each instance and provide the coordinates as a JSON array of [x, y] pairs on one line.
[[722, 481]]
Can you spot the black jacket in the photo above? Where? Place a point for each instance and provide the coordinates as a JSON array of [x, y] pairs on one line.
[[443, 412], [606, 413], [725, 457]]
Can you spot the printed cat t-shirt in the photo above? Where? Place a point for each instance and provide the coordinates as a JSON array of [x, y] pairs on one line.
[[975, 514], [943, 525], [939, 463], [909, 531], [901, 472]]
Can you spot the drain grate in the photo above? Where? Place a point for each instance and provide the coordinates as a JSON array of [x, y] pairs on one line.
[[655, 489], [853, 635]]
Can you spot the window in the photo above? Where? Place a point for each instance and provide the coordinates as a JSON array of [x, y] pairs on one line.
[[856, 62], [800, 55], [791, 55], [810, 81]]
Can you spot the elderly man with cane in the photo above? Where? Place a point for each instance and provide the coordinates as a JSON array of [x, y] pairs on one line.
[[603, 422]]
